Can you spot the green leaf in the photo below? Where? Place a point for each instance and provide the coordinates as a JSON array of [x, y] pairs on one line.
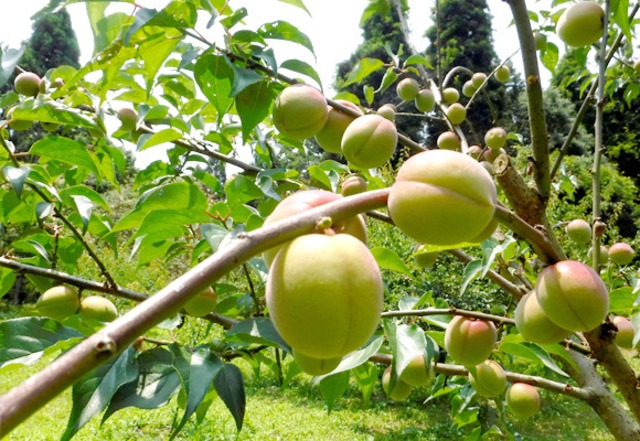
[[9, 59], [7, 280], [85, 208], [621, 300], [321, 176], [166, 135], [357, 358], [214, 75], [297, 3], [16, 176], [363, 68], [233, 19], [471, 271], [53, 112], [303, 68], [531, 352], [259, 330], [390, 76], [156, 383], [333, 387], [254, 105], [417, 59], [549, 56], [282, 30], [410, 342], [203, 366], [620, 10], [369, 93], [92, 393], [66, 151], [389, 259], [230, 388], [25, 340], [67, 194], [243, 78]]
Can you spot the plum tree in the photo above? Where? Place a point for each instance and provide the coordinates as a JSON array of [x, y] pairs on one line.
[[442, 197], [27, 84], [369, 141], [456, 113], [300, 111], [496, 138], [417, 373], [425, 100], [449, 141], [315, 366], [58, 302], [579, 231], [523, 399], [324, 294], [302, 201], [407, 89], [488, 379], [469, 341], [621, 253], [400, 391], [424, 259], [128, 118], [98, 308], [353, 184], [330, 136], [202, 303], [450, 95], [533, 323], [581, 24], [626, 331], [503, 73], [572, 295]]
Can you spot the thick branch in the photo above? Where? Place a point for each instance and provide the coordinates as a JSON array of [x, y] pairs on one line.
[[23, 400]]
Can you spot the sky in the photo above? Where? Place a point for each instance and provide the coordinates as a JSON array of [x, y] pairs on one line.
[[334, 35]]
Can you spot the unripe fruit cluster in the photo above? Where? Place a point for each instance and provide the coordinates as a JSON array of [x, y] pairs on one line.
[[61, 302]]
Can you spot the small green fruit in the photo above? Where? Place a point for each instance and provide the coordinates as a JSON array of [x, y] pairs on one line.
[[27, 84], [469, 341], [401, 390], [449, 141], [478, 79], [425, 100], [626, 332], [503, 74], [579, 231], [300, 111], [330, 136], [621, 253], [423, 259], [369, 141], [416, 374], [407, 89], [456, 113], [475, 151], [523, 400], [98, 308], [581, 24], [353, 184], [49, 126], [534, 325], [572, 295], [604, 254], [488, 379], [58, 302], [468, 89], [495, 138], [450, 95], [315, 366], [202, 303], [540, 40], [387, 111], [128, 117]]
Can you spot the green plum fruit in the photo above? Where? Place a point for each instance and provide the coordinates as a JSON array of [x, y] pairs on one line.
[[475, 151], [488, 379], [579, 231], [20, 125], [456, 113], [330, 136], [626, 331], [442, 197], [621, 253], [300, 111], [478, 79], [407, 89], [450, 95], [572, 295], [424, 259], [449, 141], [469, 341], [315, 366], [523, 399], [495, 138], [534, 325], [387, 111], [202, 303], [468, 89], [540, 40], [425, 101], [503, 74], [98, 308], [604, 254], [58, 302], [303, 200], [416, 373], [369, 141], [490, 155], [353, 184], [581, 24], [128, 118], [401, 390], [324, 294], [27, 84], [49, 126]]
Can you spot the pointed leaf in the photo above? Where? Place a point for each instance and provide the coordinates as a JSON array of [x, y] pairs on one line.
[[166, 135], [243, 78], [7, 280], [214, 75], [333, 387], [230, 387], [297, 3], [64, 150], [389, 259], [85, 208], [254, 105], [16, 176], [471, 271], [364, 68], [303, 68], [259, 330], [358, 357], [282, 30]]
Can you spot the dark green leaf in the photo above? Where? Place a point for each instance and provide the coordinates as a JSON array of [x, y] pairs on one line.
[[92, 393], [7, 280], [531, 352], [254, 105], [259, 330], [214, 75], [388, 79], [64, 150], [282, 30], [16, 176], [620, 10], [243, 78], [230, 388], [549, 56], [333, 387]]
